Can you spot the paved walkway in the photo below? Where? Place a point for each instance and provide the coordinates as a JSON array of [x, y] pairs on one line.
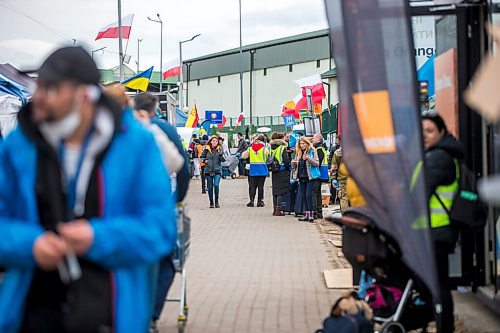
[[249, 271]]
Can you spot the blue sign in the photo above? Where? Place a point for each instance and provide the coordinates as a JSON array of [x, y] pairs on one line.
[[289, 120], [215, 117]]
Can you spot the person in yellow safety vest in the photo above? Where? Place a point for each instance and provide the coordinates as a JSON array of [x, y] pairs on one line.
[[441, 162], [324, 176], [258, 155]]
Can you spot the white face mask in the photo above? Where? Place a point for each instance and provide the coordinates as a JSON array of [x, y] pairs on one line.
[[55, 131]]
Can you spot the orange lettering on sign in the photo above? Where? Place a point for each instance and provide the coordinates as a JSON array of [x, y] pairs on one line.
[[373, 111]]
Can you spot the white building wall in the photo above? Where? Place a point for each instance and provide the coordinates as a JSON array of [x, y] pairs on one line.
[[270, 92]]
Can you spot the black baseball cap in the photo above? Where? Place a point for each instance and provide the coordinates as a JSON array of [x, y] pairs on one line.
[[70, 63]]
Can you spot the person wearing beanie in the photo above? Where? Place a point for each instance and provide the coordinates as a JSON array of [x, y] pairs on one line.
[[81, 227]]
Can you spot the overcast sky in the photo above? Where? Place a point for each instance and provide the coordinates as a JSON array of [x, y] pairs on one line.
[[30, 29]]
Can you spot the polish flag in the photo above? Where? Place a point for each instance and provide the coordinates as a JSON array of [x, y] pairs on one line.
[[175, 71], [111, 30], [313, 82]]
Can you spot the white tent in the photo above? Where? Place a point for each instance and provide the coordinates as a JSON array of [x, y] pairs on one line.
[[15, 91]]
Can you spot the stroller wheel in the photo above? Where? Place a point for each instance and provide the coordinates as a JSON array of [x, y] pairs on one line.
[[233, 176], [392, 327], [223, 177]]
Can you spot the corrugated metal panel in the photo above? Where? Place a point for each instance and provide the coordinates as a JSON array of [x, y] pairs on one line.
[[285, 51], [307, 35]]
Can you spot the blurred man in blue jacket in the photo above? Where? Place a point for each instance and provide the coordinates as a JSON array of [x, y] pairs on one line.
[[85, 208]]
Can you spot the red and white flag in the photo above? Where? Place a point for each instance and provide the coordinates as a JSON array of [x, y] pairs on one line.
[[174, 71], [111, 30], [313, 82], [239, 120]]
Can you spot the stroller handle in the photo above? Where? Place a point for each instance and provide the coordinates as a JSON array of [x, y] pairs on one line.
[[345, 220]]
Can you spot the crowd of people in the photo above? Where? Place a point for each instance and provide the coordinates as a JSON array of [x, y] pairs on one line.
[[88, 172], [298, 170]]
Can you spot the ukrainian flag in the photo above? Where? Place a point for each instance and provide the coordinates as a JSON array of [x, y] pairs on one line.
[[139, 81]]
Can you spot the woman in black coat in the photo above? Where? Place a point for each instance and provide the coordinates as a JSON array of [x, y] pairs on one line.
[[442, 159], [280, 178], [212, 157]]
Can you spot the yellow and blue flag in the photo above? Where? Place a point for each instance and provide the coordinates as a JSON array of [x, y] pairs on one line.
[[139, 81]]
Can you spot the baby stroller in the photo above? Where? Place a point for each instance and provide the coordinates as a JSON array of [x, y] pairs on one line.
[[399, 300], [229, 166]]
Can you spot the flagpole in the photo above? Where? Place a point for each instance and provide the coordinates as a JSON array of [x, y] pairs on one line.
[[241, 71], [120, 38]]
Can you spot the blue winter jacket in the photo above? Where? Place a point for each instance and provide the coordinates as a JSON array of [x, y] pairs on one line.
[[137, 227]]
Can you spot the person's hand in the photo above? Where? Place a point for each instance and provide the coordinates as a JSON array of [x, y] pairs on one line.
[[49, 250], [335, 184], [78, 234], [305, 157]]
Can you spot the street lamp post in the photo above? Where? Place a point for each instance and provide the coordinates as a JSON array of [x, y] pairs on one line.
[[161, 47], [102, 48], [138, 41], [181, 75]]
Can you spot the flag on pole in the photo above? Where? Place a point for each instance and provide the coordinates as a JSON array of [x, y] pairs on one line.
[[220, 126], [111, 30], [139, 81], [313, 82], [239, 120], [175, 71], [193, 118]]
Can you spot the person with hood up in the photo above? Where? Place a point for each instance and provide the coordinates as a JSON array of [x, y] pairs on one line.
[[443, 154], [305, 171], [213, 157], [258, 154], [90, 216], [281, 177]]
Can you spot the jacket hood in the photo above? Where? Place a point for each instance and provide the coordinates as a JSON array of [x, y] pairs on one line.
[[278, 142], [257, 146], [319, 144], [451, 145]]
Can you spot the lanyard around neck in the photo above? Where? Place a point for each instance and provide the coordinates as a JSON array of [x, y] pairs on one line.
[[71, 182]]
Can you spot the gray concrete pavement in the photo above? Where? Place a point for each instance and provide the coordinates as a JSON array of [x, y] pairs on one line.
[[249, 271]]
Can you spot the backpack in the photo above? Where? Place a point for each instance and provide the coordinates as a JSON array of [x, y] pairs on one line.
[[272, 162], [468, 211]]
